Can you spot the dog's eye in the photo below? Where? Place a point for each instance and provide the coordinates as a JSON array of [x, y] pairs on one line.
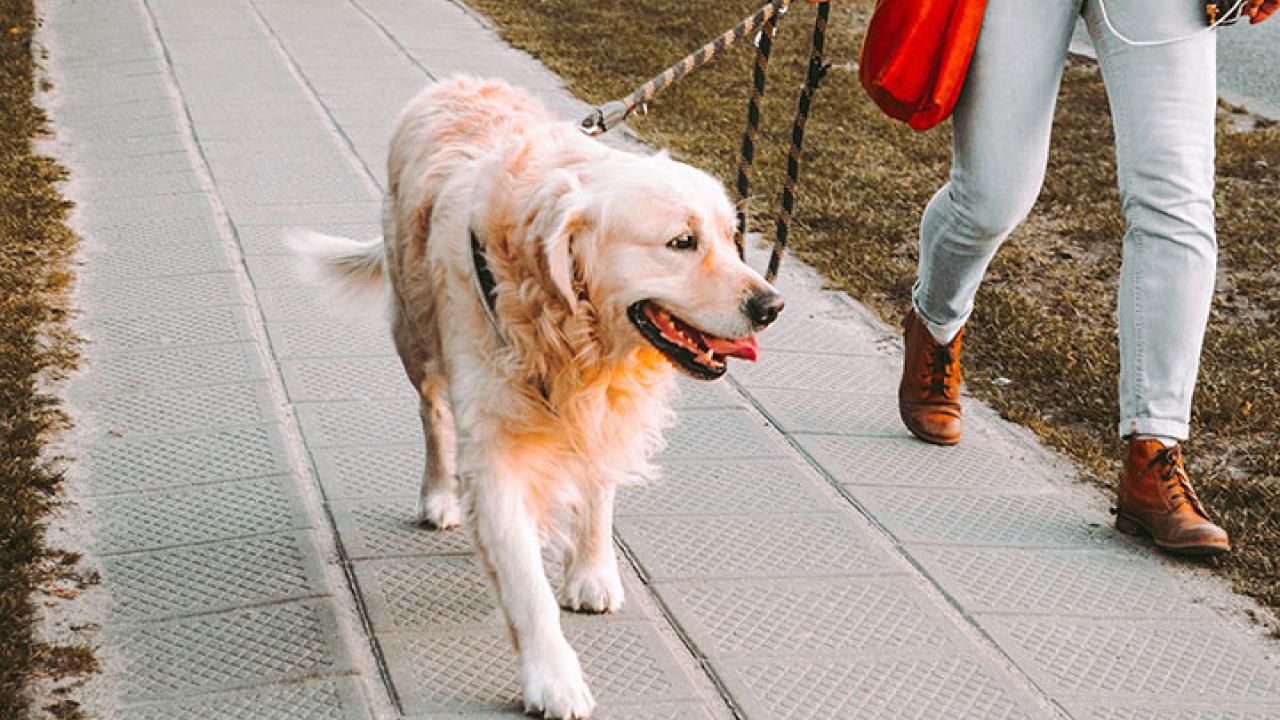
[[684, 243]]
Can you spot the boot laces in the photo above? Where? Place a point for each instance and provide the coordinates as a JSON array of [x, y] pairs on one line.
[[1172, 469], [942, 372]]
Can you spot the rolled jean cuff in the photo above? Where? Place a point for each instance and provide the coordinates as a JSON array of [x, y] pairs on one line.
[[1177, 429], [941, 332]]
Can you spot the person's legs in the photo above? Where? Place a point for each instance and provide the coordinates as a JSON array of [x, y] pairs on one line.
[[1001, 144], [1163, 100]]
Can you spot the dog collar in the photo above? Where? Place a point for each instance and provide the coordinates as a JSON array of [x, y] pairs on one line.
[[484, 282]]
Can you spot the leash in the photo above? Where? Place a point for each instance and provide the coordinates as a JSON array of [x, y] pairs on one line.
[[611, 114], [763, 48], [813, 78]]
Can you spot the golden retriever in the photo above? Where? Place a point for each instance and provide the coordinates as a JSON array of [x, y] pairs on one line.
[[543, 286]]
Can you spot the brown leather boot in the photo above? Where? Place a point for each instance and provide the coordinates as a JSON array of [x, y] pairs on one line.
[[1156, 497], [929, 394]]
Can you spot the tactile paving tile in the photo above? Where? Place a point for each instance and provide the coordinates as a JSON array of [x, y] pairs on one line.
[[1149, 710], [1155, 659], [117, 465], [335, 424], [307, 303], [218, 122], [203, 513], [226, 650], [172, 411], [162, 162], [243, 191], [194, 207], [158, 369], [205, 326], [202, 578], [725, 486], [831, 411], [850, 616], [813, 371], [353, 472], [622, 711], [750, 545], [1058, 582], [816, 335], [312, 215], [657, 711], [624, 662], [133, 296], [141, 232], [327, 379], [387, 528], [134, 140], [134, 186], [333, 699], [264, 240], [700, 434], [79, 116], [932, 516], [433, 593], [948, 686], [364, 338], [907, 462], [122, 129], [163, 259], [697, 394], [446, 592]]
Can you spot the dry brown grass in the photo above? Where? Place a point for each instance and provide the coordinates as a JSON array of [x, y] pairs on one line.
[[35, 348], [1045, 318]]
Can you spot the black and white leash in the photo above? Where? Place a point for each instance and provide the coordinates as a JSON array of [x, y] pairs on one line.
[[611, 114]]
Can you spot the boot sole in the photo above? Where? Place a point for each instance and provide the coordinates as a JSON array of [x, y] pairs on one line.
[[1130, 526], [945, 441]]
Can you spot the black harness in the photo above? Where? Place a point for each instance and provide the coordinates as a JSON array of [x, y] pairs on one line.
[[485, 284]]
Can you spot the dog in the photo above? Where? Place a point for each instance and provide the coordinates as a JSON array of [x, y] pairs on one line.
[[544, 289]]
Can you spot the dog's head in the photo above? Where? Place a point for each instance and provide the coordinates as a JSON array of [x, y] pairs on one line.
[[650, 242]]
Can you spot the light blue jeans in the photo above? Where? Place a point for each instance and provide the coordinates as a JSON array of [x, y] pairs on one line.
[[1163, 101]]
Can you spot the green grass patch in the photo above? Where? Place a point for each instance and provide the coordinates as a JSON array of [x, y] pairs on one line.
[[36, 348], [1045, 318]]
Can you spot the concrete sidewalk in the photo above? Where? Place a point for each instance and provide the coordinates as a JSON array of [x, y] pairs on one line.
[[248, 459]]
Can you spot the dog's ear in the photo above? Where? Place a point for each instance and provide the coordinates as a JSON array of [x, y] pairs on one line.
[[562, 215]]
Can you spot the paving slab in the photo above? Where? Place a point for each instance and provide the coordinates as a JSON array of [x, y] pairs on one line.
[[248, 454]]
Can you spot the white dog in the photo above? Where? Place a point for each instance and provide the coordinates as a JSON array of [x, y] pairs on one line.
[[543, 286]]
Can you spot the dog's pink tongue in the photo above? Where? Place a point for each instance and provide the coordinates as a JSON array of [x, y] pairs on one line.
[[746, 348]]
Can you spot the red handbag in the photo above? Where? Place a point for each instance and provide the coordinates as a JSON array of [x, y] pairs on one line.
[[916, 54]]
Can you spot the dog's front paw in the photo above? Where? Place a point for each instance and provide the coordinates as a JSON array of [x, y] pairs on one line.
[[552, 684], [595, 589], [439, 510]]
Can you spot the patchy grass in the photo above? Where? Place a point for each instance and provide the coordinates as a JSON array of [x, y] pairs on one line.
[[1045, 317], [36, 348]]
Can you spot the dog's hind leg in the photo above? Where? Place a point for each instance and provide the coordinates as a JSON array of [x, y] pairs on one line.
[[591, 580], [502, 518], [438, 496]]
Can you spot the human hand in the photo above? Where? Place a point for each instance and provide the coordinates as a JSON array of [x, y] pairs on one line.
[[1259, 10]]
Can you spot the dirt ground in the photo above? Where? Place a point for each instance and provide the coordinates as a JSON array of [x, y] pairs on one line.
[[1041, 346], [36, 349]]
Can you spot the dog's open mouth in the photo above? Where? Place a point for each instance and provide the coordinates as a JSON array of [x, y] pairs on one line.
[[698, 353]]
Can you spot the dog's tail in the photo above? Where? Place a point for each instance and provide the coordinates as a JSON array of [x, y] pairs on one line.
[[351, 270]]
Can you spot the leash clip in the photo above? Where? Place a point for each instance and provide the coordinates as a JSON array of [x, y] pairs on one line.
[[604, 118]]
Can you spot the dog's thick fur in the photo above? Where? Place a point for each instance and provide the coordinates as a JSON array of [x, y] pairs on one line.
[[562, 399]]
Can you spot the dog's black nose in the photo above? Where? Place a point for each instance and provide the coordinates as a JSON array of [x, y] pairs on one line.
[[763, 307]]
